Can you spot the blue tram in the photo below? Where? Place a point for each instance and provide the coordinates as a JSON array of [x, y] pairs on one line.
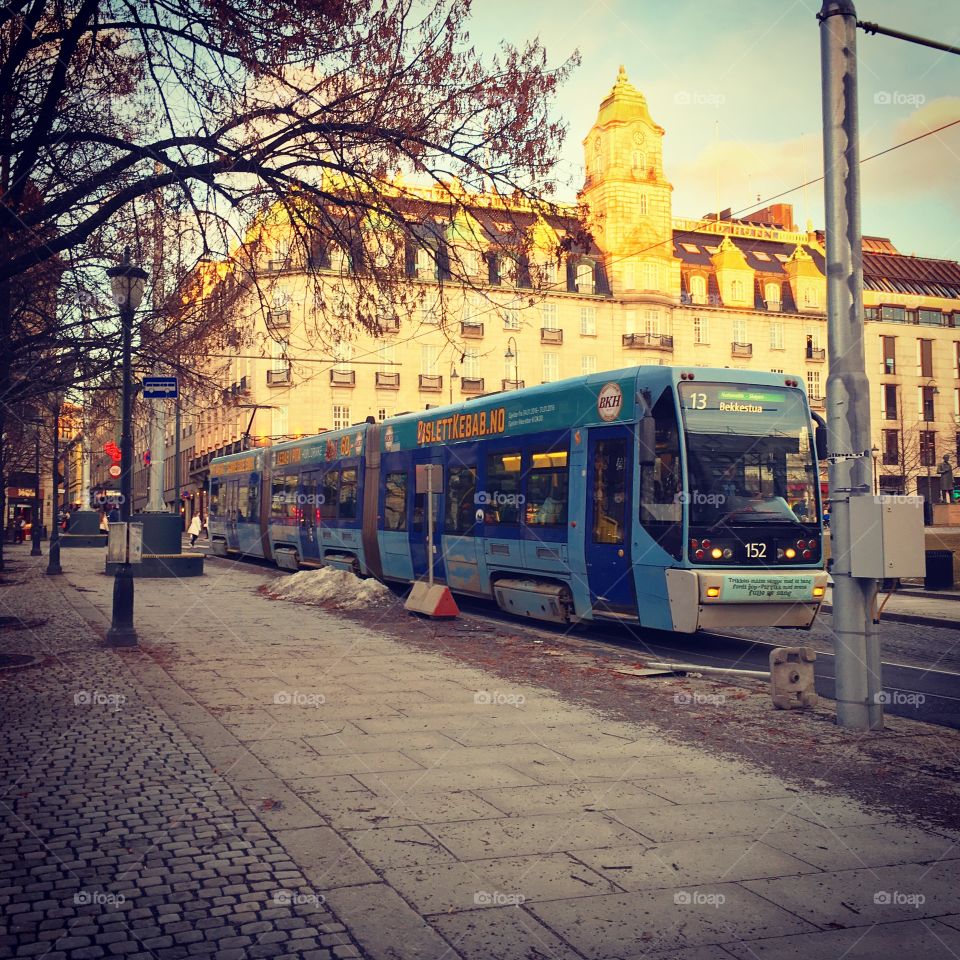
[[682, 499]]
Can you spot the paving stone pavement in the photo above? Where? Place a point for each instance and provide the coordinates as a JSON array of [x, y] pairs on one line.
[[119, 839], [438, 810]]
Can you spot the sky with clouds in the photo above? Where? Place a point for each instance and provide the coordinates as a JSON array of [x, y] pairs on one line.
[[736, 85]]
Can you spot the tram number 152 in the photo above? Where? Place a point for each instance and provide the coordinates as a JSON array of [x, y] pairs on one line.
[[756, 551]]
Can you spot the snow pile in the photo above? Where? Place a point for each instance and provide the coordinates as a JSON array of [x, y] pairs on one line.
[[330, 586]]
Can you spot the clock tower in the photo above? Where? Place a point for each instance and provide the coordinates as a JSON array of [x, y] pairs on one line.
[[629, 198]]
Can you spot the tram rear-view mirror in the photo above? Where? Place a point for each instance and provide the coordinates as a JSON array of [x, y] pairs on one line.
[[646, 441], [820, 441]]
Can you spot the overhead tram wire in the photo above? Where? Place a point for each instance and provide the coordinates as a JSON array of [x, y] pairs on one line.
[[674, 236]]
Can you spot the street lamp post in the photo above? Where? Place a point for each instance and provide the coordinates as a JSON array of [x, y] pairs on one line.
[[35, 527], [53, 554], [513, 354], [453, 376], [127, 283]]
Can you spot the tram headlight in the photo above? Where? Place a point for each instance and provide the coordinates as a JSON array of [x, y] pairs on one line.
[[716, 553], [790, 553]]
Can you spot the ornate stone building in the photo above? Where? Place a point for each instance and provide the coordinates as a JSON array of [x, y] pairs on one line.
[[649, 288]]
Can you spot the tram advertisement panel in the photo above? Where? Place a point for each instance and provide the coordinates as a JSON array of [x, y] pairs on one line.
[[509, 415]]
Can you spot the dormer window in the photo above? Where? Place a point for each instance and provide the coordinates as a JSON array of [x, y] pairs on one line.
[[736, 290], [698, 289], [585, 281], [339, 261], [771, 295]]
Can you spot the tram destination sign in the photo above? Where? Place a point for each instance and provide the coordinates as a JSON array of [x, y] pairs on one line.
[[778, 588]]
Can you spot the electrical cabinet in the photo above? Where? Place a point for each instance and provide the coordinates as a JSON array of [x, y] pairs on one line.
[[887, 537]]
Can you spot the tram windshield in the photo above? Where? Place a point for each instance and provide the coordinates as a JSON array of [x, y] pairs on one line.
[[749, 455]]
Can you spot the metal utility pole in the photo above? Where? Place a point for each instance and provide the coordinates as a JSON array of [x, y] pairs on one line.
[[53, 554], [858, 666]]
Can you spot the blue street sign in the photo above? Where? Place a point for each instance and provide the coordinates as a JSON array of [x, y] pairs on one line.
[[159, 388]]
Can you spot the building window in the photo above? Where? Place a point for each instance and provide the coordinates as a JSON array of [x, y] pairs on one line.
[[771, 294], [472, 308], [548, 272], [933, 318], [629, 276], [776, 335], [342, 355], [471, 365], [889, 398], [893, 314], [813, 384], [650, 276], [928, 448], [644, 207], [698, 290], [470, 262], [426, 263], [507, 269], [341, 416], [639, 161], [588, 321], [429, 354], [813, 338], [926, 404], [925, 357], [584, 278], [280, 349], [428, 315], [279, 422], [386, 357], [511, 318], [811, 296], [651, 322], [891, 447], [383, 413], [736, 290], [889, 354], [550, 316], [701, 329], [551, 367], [588, 364], [740, 331]]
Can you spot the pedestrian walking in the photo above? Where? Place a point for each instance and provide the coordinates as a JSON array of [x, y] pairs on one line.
[[104, 522], [196, 526], [19, 527]]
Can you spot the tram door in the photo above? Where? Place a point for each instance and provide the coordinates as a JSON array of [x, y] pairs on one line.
[[418, 522], [607, 537], [310, 501]]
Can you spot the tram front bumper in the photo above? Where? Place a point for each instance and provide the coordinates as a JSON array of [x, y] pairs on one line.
[[714, 600]]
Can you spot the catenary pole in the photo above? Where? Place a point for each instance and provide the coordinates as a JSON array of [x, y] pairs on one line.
[[858, 667]]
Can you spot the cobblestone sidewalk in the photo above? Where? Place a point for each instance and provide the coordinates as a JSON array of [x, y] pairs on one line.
[[119, 839]]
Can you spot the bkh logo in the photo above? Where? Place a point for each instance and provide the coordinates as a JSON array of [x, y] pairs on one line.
[[610, 401]]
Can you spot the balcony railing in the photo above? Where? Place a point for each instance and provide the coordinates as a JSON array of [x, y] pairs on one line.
[[278, 319], [431, 382], [388, 380], [343, 378], [278, 376], [774, 306], [817, 353], [551, 335], [281, 264], [647, 341], [471, 330], [512, 384], [471, 385], [741, 349], [818, 403], [389, 324]]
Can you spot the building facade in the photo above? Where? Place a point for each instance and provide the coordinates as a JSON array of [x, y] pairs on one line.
[[643, 287]]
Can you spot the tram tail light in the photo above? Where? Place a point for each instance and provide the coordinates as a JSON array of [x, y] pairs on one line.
[[713, 591]]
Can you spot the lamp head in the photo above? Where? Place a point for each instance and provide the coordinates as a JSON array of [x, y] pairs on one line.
[[127, 283], [509, 354]]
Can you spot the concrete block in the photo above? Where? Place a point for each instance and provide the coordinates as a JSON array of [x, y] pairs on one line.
[[792, 683]]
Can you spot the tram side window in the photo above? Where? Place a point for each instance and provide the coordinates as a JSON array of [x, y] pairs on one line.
[[253, 498], [213, 507], [547, 483], [277, 499], [609, 491], [661, 511], [460, 500], [331, 495], [231, 498], [501, 500], [348, 494], [395, 502]]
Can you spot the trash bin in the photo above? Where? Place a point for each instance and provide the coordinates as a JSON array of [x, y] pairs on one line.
[[939, 570]]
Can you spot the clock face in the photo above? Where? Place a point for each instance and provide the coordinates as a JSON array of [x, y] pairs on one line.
[[639, 139]]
